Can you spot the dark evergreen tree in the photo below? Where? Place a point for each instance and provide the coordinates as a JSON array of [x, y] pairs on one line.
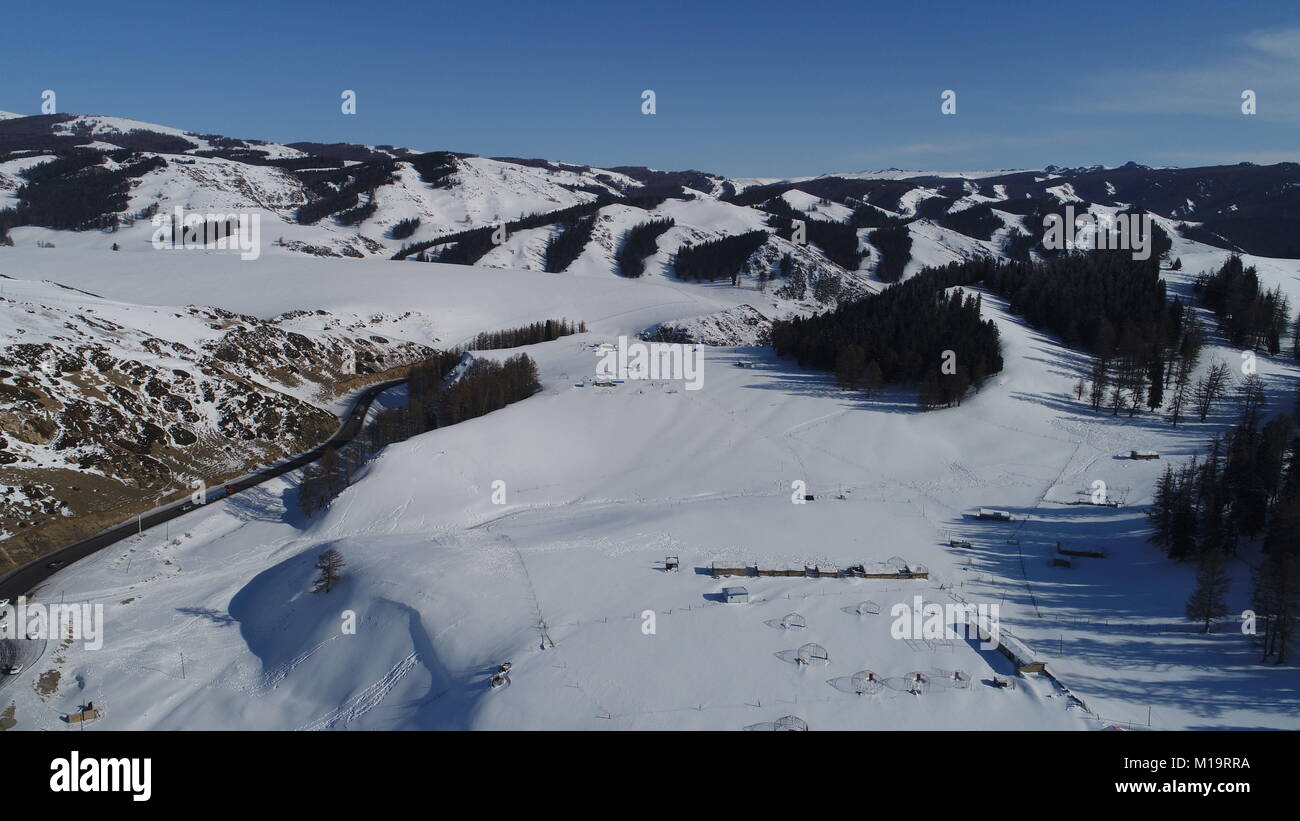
[[640, 242], [1207, 602]]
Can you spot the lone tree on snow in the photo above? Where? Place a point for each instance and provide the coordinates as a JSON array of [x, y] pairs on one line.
[[330, 565], [1206, 602]]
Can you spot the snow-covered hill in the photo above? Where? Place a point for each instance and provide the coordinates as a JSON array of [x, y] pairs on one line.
[[104, 404], [601, 484], [537, 534], [363, 198]]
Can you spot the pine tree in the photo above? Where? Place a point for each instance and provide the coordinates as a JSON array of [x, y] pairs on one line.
[[1161, 512], [1100, 380], [1182, 392], [1277, 602], [1206, 602], [1156, 380], [872, 379], [850, 367], [330, 564]]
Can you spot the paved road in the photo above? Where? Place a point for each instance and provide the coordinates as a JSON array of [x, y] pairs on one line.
[[22, 580]]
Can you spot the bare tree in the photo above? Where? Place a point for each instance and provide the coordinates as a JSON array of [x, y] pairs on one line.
[[1182, 383], [1211, 387], [1250, 393]]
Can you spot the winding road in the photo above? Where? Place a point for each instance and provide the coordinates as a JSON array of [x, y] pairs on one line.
[[22, 580]]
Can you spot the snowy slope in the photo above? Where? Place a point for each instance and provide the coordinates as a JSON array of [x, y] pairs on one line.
[[104, 401], [602, 484]]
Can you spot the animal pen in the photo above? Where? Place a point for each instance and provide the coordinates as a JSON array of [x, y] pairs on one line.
[[813, 654], [793, 620], [893, 569], [790, 724]]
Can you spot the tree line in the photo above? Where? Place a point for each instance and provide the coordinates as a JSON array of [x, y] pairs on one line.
[[894, 242], [403, 229], [76, 191], [1246, 488], [531, 334], [481, 238], [913, 331], [640, 242], [566, 244], [838, 241], [1248, 316], [485, 386], [337, 468], [723, 257], [339, 190]]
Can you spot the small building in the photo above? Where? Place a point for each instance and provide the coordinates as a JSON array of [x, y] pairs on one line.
[[994, 515], [735, 595], [1143, 454]]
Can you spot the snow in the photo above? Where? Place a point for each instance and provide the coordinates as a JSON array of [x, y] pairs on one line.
[[445, 585], [899, 174], [601, 484]]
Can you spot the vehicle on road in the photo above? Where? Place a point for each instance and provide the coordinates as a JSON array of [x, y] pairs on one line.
[[55, 565], [4, 602], [13, 670]]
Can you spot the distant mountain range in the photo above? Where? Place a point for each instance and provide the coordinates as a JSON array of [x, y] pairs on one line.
[[337, 199]]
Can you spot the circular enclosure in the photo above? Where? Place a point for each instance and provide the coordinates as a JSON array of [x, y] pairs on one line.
[[813, 654], [865, 682], [790, 723], [793, 620]]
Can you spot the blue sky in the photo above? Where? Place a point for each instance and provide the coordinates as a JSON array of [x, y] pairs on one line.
[[753, 88]]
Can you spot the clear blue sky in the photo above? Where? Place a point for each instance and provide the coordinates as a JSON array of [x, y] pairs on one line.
[[749, 88]]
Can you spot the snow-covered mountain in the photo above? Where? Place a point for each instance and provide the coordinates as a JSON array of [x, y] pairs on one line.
[[537, 533], [107, 404], [366, 201]]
